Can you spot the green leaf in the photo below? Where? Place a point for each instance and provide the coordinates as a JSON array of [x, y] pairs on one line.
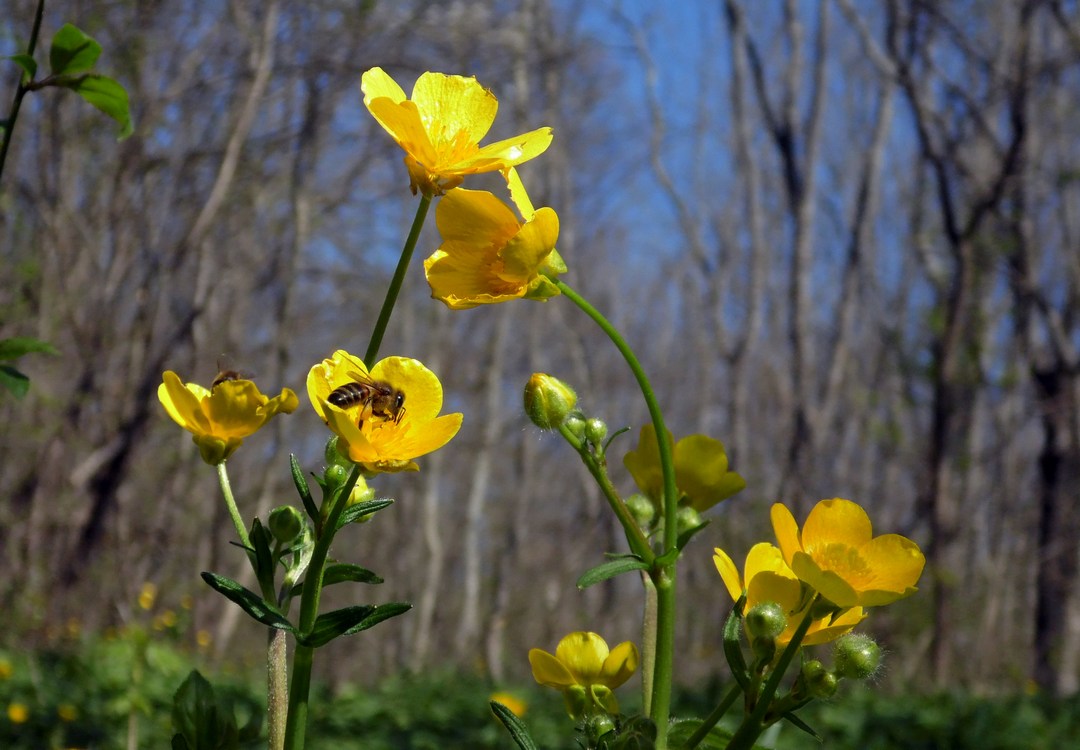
[[688, 534], [382, 612], [249, 601], [357, 511], [264, 559], [330, 625], [610, 569], [27, 63], [803, 726], [519, 733], [72, 51], [341, 572], [202, 720], [107, 95], [14, 381], [16, 347], [303, 489], [681, 730], [733, 646]]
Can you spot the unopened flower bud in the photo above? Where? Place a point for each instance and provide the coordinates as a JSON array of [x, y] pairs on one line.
[[333, 456], [687, 518], [765, 620], [642, 509], [595, 430], [361, 492], [857, 656], [285, 523], [576, 424], [548, 401], [335, 476], [597, 726], [817, 681]]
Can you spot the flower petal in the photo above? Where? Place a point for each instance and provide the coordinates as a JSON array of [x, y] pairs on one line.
[[620, 665], [725, 566], [548, 670], [525, 253], [836, 521], [182, 404], [583, 654], [454, 109], [475, 217], [786, 530]]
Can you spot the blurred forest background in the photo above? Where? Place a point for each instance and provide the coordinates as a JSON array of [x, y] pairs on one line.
[[843, 236]]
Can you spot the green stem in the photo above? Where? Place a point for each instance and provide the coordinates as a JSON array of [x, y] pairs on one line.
[[303, 657], [639, 545], [230, 503], [277, 690], [711, 720], [21, 89], [648, 643], [663, 575], [396, 282], [753, 724]]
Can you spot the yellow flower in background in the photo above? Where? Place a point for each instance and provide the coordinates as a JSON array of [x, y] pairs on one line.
[[147, 595], [440, 128], [67, 712], [386, 434], [767, 578], [18, 713], [517, 706], [585, 671], [203, 639], [221, 417], [701, 469], [837, 555], [6, 670], [488, 255]]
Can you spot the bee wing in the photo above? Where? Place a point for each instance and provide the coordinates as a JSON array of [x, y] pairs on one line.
[[359, 377]]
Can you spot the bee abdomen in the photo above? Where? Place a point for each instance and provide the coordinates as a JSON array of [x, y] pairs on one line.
[[347, 395]]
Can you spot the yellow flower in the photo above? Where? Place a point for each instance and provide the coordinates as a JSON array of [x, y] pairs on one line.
[[383, 443], [837, 555], [6, 670], [147, 595], [701, 469], [203, 639], [18, 713], [488, 255], [767, 578], [67, 712], [440, 128], [221, 417], [517, 706], [585, 671]]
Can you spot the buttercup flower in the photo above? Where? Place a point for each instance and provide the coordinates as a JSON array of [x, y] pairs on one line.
[[767, 578], [488, 255], [585, 671], [701, 469], [221, 417], [837, 555], [440, 128], [390, 440]]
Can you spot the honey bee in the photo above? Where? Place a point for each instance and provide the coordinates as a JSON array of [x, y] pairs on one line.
[[377, 398], [226, 375]]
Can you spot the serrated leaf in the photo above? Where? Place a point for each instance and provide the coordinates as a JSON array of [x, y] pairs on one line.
[[27, 63], [688, 534], [330, 625], [342, 572], [72, 51], [16, 347], [108, 96], [248, 601], [357, 511], [303, 489], [519, 733], [14, 381], [382, 612], [610, 569]]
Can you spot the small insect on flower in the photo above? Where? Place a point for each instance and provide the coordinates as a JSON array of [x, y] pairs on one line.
[[377, 398], [226, 373]]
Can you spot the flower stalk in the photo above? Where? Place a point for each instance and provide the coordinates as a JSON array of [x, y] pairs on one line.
[[662, 572]]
